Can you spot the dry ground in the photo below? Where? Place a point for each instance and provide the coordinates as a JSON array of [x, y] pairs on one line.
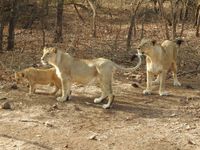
[[135, 122]]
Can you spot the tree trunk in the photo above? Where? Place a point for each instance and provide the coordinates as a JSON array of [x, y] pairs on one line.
[[43, 20], [130, 33], [184, 13], [46, 7], [11, 25], [132, 24], [1, 36], [94, 18], [160, 2], [198, 24], [196, 15], [174, 18], [59, 19], [142, 29]]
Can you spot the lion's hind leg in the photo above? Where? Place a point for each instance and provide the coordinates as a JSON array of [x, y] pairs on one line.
[[174, 71], [106, 87], [162, 91]]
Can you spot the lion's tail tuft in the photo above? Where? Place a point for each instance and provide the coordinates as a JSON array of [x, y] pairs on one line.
[[179, 41]]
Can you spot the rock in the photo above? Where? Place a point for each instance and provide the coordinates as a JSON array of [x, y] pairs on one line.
[[191, 142], [173, 115], [188, 86], [66, 146], [77, 108], [3, 98], [87, 103], [14, 86], [93, 136], [55, 106], [47, 124], [135, 85], [6, 105]]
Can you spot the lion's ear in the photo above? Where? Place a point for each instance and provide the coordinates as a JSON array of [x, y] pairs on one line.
[[22, 74], [153, 42], [55, 50], [44, 49]]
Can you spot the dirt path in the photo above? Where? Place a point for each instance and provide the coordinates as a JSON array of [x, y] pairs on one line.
[[135, 122]]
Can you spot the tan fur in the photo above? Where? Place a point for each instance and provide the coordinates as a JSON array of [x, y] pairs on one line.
[[71, 70], [159, 60], [39, 76]]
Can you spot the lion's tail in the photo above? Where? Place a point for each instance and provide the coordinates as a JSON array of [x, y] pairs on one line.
[[132, 68]]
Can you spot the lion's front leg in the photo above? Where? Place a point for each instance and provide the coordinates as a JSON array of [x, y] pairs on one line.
[[100, 99], [174, 71], [66, 88], [162, 91], [31, 88], [149, 83]]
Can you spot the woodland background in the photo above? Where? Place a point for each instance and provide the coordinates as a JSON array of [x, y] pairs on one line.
[[99, 28]]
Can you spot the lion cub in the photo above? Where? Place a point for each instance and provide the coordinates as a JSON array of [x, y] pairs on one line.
[[39, 76]]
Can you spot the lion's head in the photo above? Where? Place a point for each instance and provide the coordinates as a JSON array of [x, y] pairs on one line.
[[19, 76], [145, 46], [49, 55]]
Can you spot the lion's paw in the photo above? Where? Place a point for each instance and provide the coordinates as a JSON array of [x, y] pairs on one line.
[[62, 99], [164, 93], [177, 83], [147, 92], [106, 106], [97, 100]]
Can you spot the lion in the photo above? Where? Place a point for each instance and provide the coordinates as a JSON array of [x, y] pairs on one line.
[[39, 76], [159, 60], [82, 71]]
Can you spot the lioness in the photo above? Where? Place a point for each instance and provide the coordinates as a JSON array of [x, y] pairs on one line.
[[83, 71], [39, 76], [159, 60]]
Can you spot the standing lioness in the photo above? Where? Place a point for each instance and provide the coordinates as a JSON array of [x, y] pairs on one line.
[[71, 69], [159, 60]]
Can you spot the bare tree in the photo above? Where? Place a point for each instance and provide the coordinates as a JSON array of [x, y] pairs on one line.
[[163, 16], [197, 12], [184, 15], [45, 7], [1, 35], [198, 24], [94, 17], [174, 8], [11, 25], [59, 20], [135, 6], [44, 13], [1, 25], [197, 18]]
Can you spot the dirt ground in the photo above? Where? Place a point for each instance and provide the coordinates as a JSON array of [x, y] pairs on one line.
[[135, 122]]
